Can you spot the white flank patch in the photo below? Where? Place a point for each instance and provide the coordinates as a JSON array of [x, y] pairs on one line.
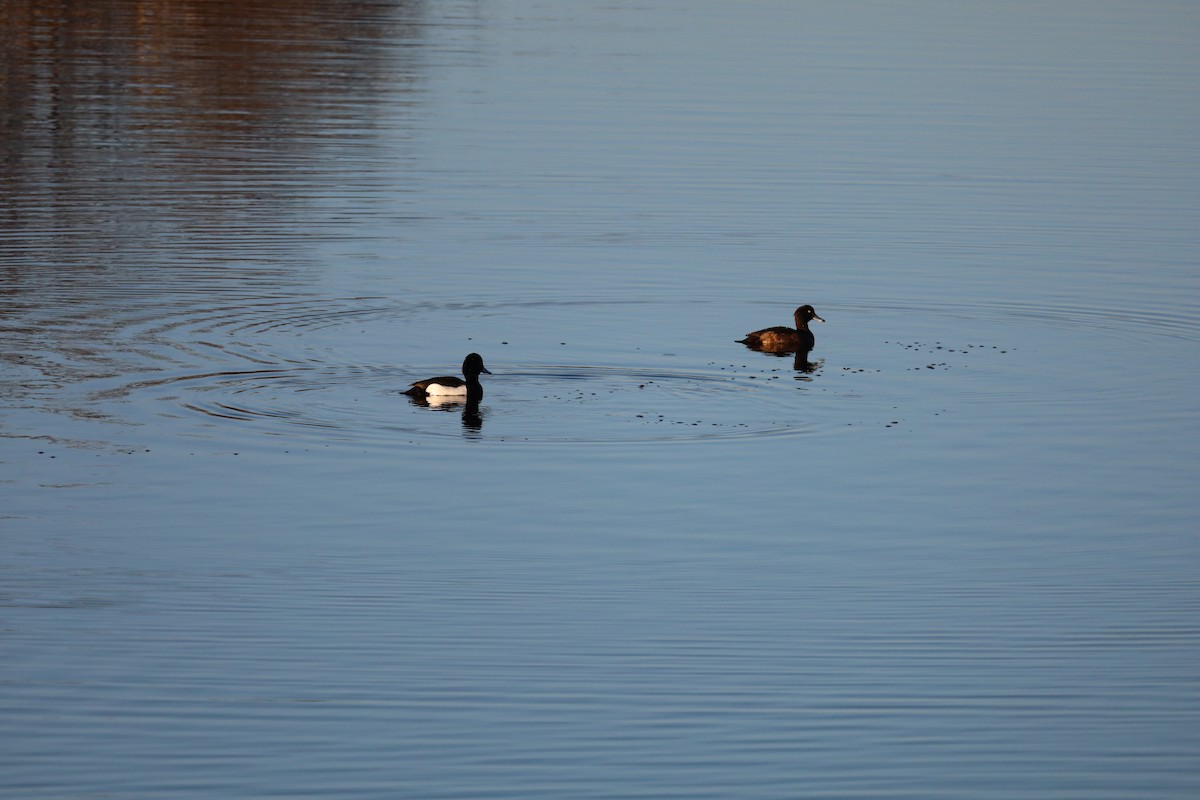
[[438, 390]]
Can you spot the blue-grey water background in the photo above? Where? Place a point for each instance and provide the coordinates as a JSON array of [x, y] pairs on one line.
[[955, 555]]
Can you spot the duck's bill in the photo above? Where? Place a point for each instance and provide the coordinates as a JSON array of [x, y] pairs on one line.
[[818, 319]]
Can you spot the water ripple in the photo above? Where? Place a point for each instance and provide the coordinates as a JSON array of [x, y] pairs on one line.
[[278, 363], [364, 404]]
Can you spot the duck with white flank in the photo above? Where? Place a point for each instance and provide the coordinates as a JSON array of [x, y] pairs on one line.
[[450, 386]]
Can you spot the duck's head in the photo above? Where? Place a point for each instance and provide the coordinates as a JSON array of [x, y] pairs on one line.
[[804, 314], [473, 365]]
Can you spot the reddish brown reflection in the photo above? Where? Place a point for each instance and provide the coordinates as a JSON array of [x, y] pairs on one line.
[[213, 113]]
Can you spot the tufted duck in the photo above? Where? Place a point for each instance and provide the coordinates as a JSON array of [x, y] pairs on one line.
[[450, 386], [783, 338]]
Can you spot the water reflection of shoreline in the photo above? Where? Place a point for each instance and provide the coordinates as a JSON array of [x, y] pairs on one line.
[[164, 159], [134, 129]]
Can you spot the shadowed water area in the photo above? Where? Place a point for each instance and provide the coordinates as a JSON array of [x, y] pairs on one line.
[[951, 551]]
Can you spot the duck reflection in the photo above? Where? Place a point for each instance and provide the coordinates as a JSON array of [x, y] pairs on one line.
[[800, 361], [472, 414], [472, 417]]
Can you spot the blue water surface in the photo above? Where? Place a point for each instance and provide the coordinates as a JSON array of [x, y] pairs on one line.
[[951, 552]]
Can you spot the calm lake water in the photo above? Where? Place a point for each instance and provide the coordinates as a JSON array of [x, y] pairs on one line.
[[953, 552]]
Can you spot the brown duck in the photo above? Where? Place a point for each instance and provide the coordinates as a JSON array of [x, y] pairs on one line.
[[783, 338]]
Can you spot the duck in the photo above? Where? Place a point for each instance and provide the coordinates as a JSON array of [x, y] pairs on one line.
[[450, 386], [784, 338]]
